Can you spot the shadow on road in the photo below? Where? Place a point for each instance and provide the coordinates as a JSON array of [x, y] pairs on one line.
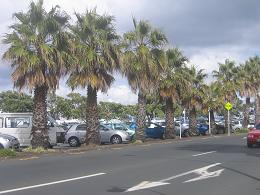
[[221, 148]]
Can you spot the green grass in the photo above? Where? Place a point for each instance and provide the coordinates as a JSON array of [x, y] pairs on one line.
[[37, 150], [243, 130], [7, 153]]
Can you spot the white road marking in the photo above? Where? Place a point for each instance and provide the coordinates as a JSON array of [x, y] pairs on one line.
[[204, 153], [202, 172], [244, 137], [50, 183]]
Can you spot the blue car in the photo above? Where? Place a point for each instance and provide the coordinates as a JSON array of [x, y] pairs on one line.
[[152, 130], [202, 129]]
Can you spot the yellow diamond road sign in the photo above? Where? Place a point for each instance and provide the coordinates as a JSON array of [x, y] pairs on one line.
[[228, 106]]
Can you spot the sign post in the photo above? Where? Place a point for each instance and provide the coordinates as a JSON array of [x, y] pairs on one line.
[[228, 106], [180, 129], [209, 123]]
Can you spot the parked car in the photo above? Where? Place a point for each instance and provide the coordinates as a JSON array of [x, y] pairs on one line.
[[253, 137], [19, 125], [202, 129], [76, 135], [236, 126], [154, 130], [184, 130], [8, 141], [122, 127]]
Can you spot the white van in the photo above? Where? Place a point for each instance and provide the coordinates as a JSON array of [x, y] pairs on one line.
[[19, 125]]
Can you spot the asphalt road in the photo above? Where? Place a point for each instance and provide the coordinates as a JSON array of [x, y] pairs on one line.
[[208, 166]]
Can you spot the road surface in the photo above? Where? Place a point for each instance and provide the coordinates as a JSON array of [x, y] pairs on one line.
[[204, 166]]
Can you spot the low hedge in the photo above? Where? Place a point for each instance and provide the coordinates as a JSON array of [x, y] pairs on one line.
[[7, 153]]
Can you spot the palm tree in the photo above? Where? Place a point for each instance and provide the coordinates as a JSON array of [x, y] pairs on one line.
[[142, 64], [38, 56], [194, 96], [171, 85], [96, 57], [248, 76], [227, 83], [212, 103]]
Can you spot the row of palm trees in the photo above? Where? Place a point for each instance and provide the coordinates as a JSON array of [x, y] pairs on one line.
[[44, 47]]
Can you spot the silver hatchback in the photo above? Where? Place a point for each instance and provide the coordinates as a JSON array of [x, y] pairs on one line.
[[76, 135], [8, 141]]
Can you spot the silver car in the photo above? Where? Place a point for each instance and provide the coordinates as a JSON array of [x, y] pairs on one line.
[[76, 135], [8, 141]]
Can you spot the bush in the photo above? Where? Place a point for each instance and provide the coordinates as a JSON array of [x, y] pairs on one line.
[[7, 152]]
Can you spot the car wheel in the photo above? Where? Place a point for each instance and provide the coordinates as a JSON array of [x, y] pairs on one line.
[[116, 139], [249, 145], [237, 129], [74, 142]]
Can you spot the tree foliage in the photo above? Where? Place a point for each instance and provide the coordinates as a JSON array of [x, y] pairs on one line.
[[11, 101]]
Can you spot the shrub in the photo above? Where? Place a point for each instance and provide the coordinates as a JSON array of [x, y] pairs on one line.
[[7, 153]]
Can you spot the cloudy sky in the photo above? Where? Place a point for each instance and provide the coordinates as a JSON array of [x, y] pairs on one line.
[[207, 31]]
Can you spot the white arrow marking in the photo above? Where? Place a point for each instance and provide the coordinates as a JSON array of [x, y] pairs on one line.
[[202, 172], [145, 185]]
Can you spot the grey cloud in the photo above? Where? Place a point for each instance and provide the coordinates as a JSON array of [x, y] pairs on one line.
[[205, 23]]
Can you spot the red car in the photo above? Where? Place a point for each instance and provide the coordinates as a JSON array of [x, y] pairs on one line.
[[253, 137]]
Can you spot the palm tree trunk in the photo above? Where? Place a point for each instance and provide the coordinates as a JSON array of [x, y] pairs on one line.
[[257, 107], [213, 123], [92, 135], [193, 121], [169, 131], [40, 137], [246, 113], [140, 132]]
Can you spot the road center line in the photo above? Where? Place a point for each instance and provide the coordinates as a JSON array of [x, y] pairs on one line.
[[50, 183], [204, 153]]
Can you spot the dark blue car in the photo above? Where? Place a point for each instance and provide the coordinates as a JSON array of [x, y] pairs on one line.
[[202, 129], [152, 130]]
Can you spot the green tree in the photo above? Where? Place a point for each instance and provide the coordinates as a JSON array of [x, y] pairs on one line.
[[227, 83], [249, 79], [11, 101], [142, 64], [212, 103], [77, 103], [96, 57], [173, 83], [37, 52]]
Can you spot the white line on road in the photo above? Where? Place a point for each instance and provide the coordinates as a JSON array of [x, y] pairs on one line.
[[204, 153], [51, 183]]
